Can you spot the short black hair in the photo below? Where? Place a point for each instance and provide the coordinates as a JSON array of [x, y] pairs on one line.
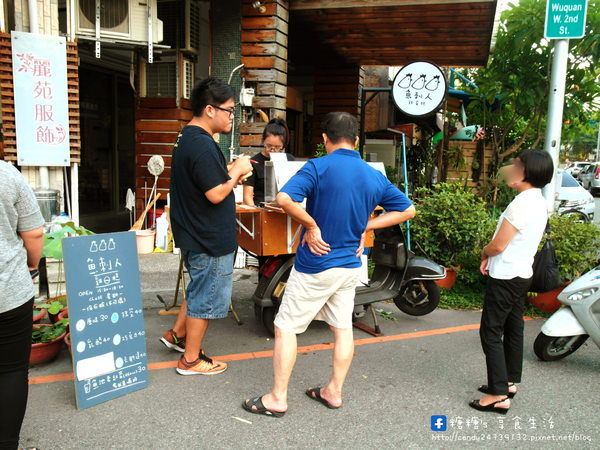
[[209, 91], [277, 127], [340, 126], [538, 165]]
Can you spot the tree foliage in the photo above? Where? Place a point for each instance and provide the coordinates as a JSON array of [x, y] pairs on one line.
[[512, 97]]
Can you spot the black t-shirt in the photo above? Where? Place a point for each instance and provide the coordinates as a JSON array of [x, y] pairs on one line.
[[198, 165], [257, 179]]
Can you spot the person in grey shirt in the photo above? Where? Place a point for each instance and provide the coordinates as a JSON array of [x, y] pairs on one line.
[[21, 244]]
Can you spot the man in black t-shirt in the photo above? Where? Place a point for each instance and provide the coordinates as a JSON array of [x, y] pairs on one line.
[[203, 222]]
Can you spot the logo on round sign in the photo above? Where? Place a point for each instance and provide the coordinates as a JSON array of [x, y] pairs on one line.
[[419, 89]]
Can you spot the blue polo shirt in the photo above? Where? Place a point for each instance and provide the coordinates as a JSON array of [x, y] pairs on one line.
[[341, 191]]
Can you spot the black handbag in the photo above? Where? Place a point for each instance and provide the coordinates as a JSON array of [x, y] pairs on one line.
[[546, 275]]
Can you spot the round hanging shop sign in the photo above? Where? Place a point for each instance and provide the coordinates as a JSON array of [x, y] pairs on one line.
[[419, 89]]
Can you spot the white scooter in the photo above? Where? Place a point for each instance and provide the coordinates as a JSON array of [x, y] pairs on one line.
[[579, 318]]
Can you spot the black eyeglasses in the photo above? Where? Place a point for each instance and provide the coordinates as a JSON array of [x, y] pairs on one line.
[[230, 111]]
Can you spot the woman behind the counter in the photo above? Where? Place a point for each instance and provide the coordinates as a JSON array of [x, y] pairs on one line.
[[275, 138]]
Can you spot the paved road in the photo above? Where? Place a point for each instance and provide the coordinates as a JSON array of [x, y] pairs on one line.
[[597, 213], [422, 367]]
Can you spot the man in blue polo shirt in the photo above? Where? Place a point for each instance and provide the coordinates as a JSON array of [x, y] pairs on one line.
[[341, 191]]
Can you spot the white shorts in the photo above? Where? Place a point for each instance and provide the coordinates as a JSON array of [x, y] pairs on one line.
[[327, 296]]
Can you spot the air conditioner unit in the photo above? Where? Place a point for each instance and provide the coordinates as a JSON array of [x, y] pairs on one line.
[[170, 77], [119, 19], [182, 21]]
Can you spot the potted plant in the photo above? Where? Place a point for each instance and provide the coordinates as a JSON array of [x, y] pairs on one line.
[[53, 240], [576, 245], [54, 306], [53, 249], [38, 313], [46, 341], [68, 342], [64, 314], [451, 224]]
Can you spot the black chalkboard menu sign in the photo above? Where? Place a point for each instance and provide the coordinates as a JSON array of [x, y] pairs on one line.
[[106, 316]]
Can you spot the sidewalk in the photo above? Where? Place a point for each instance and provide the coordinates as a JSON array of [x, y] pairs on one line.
[[422, 366]]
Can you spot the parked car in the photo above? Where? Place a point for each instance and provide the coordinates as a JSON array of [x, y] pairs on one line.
[[572, 198], [575, 167], [590, 178]]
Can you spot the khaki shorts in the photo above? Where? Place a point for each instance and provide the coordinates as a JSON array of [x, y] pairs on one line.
[[327, 296]]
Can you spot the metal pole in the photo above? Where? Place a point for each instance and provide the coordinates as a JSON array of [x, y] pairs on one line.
[[75, 193], [232, 133], [598, 144], [33, 16], [405, 170], [555, 112], [361, 132]]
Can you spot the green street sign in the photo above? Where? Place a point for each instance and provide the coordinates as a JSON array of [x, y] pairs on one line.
[[565, 19]]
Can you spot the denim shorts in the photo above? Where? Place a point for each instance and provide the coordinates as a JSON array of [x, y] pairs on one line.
[[209, 290]]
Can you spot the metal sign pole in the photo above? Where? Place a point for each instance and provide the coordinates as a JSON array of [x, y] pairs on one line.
[[555, 112], [598, 144], [405, 171]]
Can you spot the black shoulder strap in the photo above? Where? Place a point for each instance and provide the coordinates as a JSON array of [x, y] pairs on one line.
[[548, 231]]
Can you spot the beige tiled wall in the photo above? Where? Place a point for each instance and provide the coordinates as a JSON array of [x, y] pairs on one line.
[[47, 16]]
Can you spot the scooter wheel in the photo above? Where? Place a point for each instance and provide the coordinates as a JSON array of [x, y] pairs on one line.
[[418, 298], [266, 316], [550, 348]]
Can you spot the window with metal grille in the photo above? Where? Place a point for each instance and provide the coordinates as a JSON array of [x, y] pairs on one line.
[[194, 25], [161, 79], [188, 78]]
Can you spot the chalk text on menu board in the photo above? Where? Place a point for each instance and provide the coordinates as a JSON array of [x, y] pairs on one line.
[[105, 309]]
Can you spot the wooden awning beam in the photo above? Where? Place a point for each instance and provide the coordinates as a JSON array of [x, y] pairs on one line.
[[297, 5]]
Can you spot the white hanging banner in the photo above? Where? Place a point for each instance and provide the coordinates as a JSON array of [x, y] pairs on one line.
[[41, 99], [419, 89]]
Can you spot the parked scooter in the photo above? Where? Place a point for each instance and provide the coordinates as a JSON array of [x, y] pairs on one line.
[[569, 327], [398, 274]]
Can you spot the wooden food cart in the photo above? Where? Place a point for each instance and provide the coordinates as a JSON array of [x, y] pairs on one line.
[[270, 231], [266, 231]]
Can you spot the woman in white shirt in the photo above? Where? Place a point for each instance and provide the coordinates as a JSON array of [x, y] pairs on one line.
[[508, 261]]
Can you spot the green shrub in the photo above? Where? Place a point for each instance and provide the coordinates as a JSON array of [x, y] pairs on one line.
[[469, 263], [577, 245], [451, 225], [497, 194]]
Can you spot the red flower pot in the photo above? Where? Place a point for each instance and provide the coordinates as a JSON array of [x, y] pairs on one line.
[[450, 279], [37, 318], [45, 351], [63, 314], [68, 342], [547, 301]]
